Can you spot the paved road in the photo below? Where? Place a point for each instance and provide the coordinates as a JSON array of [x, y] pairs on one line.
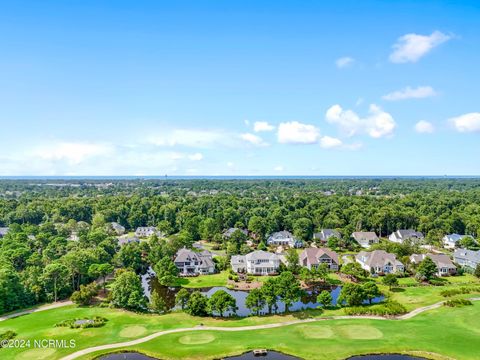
[[79, 353], [37, 309]]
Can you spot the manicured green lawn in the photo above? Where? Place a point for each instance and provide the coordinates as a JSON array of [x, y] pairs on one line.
[[452, 332], [219, 279], [124, 325]]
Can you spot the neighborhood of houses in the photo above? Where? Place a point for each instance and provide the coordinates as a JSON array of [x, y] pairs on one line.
[[198, 261]]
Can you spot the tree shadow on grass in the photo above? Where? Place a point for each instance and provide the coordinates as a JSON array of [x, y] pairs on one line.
[[397, 290]]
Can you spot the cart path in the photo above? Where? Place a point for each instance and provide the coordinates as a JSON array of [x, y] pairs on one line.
[[37, 309], [406, 316]]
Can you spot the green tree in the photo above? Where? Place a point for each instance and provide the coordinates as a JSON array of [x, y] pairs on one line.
[[303, 229], [182, 297], [55, 277], [269, 292], [293, 261], [354, 270], [127, 291], [325, 298], [197, 304], [221, 301], [426, 269], [288, 289], [85, 294], [390, 280], [477, 271], [255, 301], [166, 271], [256, 224], [101, 270], [371, 291], [130, 256], [352, 294], [157, 304]]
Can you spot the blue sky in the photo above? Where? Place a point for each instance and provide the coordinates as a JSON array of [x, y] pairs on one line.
[[239, 88]]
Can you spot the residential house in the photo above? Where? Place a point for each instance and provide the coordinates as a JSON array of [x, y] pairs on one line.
[[146, 231], [227, 234], [450, 240], [444, 265], [123, 240], [73, 236], [3, 231], [256, 263], [467, 258], [190, 262], [379, 262], [313, 257], [365, 238], [284, 238], [117, 228], [400, 236], [326, 234]]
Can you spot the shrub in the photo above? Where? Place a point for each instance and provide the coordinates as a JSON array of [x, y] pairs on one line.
[[389, 308], [97, 321], [462, 290], [7, 335], [457, 302], [436, 282]]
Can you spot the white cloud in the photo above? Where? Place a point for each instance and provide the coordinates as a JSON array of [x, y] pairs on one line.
[[253, 139], [259, 126], [295, 132], [419, 92], [278, 168], [424, 127], [195, 157], [344, 62], [411, 47], [466, 123], [378, 124], [197, 138], [328, 142], [72, 152], [230, 164]]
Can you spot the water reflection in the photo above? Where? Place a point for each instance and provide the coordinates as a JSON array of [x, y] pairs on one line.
[[307, 301]]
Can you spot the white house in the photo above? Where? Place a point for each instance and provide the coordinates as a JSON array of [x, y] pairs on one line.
[[400, 236], [450, 240], [325, 234], [284, 238], [444, 265], [189, 262], [365, 238], [3, 231], [256, 263], [146, 231], [467, 258], [117, 228], [379, 261]]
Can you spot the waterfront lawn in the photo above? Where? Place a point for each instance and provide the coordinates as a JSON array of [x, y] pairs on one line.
[[437, 334], [202, 281]]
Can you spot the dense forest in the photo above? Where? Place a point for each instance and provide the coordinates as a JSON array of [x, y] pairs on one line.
[[38, 263]]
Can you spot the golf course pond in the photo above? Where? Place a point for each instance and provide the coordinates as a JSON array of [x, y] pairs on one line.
[[307, 301]]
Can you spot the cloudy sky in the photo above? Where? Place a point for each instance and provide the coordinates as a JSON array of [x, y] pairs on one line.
[[239, 88]]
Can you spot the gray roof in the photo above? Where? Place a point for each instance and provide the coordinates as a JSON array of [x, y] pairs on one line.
[[311, 255], [325, 234], [3, 231], [204, 257], [469, 255], [364, 235], [260, 254], [127, 239], [407, 234], [455, 237], [377, 258], [441, 260]]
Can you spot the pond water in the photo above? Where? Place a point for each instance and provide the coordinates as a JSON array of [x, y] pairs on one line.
[[307, 301]]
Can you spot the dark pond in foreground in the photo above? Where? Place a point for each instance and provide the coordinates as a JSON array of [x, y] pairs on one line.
[[307, 301]]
